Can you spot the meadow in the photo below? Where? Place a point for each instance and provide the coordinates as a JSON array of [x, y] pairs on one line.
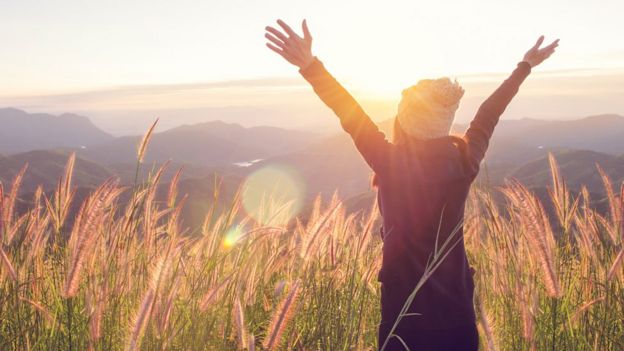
[[128, 275]]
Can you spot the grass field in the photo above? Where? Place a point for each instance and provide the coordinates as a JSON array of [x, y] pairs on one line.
[[131, 277]]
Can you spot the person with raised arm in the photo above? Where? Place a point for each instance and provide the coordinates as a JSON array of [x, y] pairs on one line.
[[422, 178]]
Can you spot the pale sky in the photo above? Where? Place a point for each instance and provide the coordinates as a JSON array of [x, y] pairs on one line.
[[116, 59]]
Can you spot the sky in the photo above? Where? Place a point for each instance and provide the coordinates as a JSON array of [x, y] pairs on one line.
[[124, 63]]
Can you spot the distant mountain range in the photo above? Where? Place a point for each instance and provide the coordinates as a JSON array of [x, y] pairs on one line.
[[526, 139], [23, 131], [326, 166], [518, 149], [46, 167], [218, 143], [579, 167], [328, 163], [207, 144]]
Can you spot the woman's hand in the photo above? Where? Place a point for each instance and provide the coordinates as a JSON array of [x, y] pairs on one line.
[[289, 45], [535, 55]]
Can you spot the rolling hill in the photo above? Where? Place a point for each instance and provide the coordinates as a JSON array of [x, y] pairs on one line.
[[519, 149], [329, 165], [22, 131], [46, 167], [578, 167], [523, 140], [208, 144]]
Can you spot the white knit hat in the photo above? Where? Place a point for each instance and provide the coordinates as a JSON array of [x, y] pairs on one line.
[[427, 109]]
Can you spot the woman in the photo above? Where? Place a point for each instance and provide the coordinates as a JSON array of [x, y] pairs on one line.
[[422, 179]]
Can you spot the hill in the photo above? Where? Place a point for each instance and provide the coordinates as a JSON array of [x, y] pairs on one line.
[[206, 144], [519, 149], [46, 167], [578, 167], [326, 166], [22, 131], [334, 163], [528, 139]]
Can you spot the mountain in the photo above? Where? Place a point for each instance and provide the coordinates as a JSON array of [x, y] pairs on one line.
[[519, 141], [519, 148], [46, 167], [326, 166], [22, 131], [578, 167], [527, 139], [206, 144], [127, 171]]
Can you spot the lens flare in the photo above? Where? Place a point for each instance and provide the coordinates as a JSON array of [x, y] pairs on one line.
[[233, 236], [273, 195]]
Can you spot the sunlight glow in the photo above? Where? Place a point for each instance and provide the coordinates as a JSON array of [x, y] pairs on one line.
[[273, 195], [233, 235]]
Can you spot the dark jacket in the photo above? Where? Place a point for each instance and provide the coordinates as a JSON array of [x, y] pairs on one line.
[[422, 190]]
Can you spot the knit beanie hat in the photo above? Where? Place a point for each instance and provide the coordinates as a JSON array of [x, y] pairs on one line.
[[427, 109]]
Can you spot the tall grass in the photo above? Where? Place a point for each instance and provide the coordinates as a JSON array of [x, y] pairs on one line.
[[132, 277]]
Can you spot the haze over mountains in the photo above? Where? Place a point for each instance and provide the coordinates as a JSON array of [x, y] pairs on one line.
[[213, 143], [23, 131], [518, 149], [45, 167], [578, 167], [602, 133]]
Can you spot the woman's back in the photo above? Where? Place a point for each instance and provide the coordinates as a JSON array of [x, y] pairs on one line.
[[422, 189]]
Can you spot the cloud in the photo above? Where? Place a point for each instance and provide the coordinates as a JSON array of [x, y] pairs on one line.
[[140, 97], [290, 102]]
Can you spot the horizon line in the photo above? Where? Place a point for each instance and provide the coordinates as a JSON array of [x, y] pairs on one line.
[[279, 82]]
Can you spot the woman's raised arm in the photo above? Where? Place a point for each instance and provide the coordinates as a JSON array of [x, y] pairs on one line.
[[370, 142], [482, 126]]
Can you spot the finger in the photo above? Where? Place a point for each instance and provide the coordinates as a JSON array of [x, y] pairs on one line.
[[550, 52], [539, 42], [276, 41], [547, 54], [276, 49], [544, 57], [306, 31], [291, 33], [288, 57], [552, 45], [277, 33]]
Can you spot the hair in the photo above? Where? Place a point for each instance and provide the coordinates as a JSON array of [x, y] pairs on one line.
[[398, 134], [399, 137]]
